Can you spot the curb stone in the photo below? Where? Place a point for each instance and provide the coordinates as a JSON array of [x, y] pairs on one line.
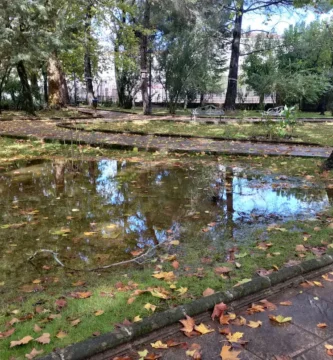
[[94, 346]]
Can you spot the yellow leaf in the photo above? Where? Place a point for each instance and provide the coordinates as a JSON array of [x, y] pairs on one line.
[[235, 336], [159, 345], [143, 354], [174, 242], [159, 294], [99, 312], [286, 303], [182, 290], [89, 233], [254, 324], [61, 335], [137, 319], [280, 319], [151, 307], [203, 329], [329, 347], [318, 283], [167, 276], [75, 322], [37, 281]]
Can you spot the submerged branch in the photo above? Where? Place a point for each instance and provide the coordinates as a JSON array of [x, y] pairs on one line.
[[137, 259]]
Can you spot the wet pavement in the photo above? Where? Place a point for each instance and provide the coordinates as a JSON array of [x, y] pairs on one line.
[[49, 131], [299, 338]]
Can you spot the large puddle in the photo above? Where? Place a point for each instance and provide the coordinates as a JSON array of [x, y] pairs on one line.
[[96, 212]]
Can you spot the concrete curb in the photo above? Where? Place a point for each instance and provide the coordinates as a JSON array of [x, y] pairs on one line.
[[94, 346]]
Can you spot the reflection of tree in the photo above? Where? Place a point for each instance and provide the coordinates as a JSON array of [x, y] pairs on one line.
[[330, 195]]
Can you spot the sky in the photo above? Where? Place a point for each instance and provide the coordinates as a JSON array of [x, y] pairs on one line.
[[280, 22]]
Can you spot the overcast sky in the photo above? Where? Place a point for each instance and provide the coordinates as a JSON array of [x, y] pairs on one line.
[[280, 21]]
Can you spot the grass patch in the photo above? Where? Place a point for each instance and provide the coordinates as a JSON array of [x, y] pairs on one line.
[[315, 133], [42, 115]]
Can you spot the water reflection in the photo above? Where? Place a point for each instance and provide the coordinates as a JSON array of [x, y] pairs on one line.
[[111, 207]]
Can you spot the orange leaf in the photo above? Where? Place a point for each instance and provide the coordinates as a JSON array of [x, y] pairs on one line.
[[219, 310], [286, 303], [37, 328], [75, 322], [321, 325], [188, 324], [268, 305], [81, 295], [175, 264], [61, 334], [226, 354], [208, 292]]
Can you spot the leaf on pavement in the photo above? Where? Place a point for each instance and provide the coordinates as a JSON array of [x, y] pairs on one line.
[[280, 319], [254, 324], [226, 354], [194, 351], [321, 325], [203, 329], [219, 310], [268, 305], [188, 324], [286, 303], [159, 345], [235, 337]]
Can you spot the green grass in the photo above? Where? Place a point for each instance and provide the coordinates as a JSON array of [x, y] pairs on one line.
[[58, 282], [315, 133], [235, 114], [41, 115]]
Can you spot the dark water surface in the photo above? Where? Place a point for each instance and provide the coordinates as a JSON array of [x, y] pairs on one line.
[[97, 212]]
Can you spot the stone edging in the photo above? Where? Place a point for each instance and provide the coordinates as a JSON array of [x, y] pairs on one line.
[[94, 346]]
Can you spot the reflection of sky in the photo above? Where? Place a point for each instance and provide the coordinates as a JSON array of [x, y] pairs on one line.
[[265, 200], [106, 184]]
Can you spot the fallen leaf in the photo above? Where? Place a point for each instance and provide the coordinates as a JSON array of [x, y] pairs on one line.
[[6, 334], [286, 303], [61, 334], [152, 356], [225, 331], [131, 300], [81, 295], [208, 292], [203, 329], [321, 325], [268, 305], [235, 337], [137, 318], [327, 278], [240, 321], [99, 312], [159, 345], [23, 341], [37, 328], [137, 252], [241, 282], [60, 303], [175, 264], [255, 309], [44, 339], [227, 354], [318, 283], [143, 353], [194, 351], [167, 276], [79, 283], [151, 307], [174, 242], [182, 290], [160, 293], [75, 322], [279, 319], [188, 324], [300, 248], [254, 324], [222, 270], [219, 310], [33, 354]]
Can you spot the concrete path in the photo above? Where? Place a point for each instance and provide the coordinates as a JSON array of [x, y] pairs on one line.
[[299, 339], [49, 131]]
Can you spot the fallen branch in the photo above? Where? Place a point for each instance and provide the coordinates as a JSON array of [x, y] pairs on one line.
[[135, 260], [55, 255]]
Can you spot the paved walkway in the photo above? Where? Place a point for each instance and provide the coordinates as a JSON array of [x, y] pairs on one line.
[[299, 339], [49, 131]]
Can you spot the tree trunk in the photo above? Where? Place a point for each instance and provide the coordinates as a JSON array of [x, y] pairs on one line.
[[87, 58], [202, 99], [328, 164], [56, 95], [28, 103], [46, 95], [144, 60], [230, 99], [34, 86], [64, 88], [3, 82]]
